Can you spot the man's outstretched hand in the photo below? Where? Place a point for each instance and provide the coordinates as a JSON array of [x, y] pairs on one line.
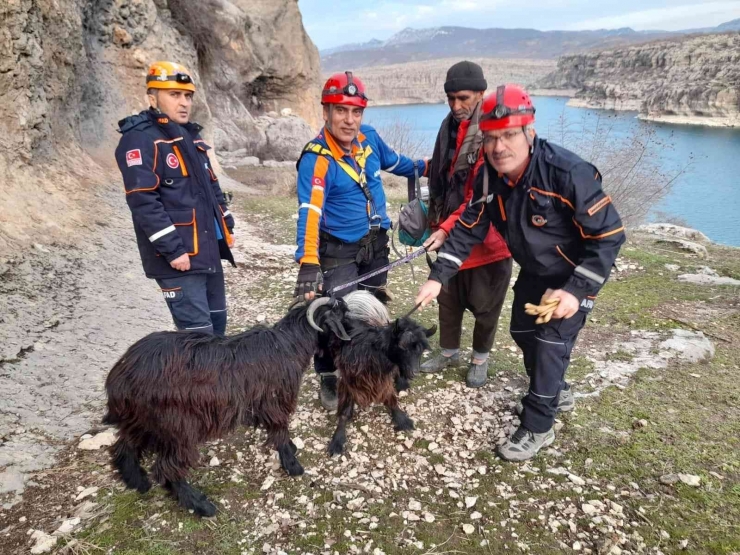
[[428, 292]]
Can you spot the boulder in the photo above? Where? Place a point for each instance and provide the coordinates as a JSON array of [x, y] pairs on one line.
[[286, 137]]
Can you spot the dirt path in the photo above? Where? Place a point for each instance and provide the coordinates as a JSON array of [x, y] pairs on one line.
[[66, 314]]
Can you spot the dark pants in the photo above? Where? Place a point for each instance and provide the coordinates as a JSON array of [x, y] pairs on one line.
[[197, 302], [480, 290], [343, 262], [546, 349]]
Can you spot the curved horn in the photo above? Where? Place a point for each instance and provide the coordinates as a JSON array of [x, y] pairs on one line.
[[313, 307]]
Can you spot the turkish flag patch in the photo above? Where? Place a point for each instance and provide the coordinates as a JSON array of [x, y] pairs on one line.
[[172, 161], [318, 181], [133, 158]]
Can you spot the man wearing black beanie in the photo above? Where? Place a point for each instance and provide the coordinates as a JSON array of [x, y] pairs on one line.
[[481, 285]]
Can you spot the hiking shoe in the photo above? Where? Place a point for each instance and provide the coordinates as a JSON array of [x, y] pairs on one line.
[[328, 392], [477, 374], [523, 444], [566, 402], [440, 362]]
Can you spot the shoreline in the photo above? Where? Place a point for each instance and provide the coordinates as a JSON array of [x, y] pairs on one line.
[[726, 122], [564, 93]]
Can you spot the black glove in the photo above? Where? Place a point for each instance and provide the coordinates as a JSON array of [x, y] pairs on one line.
[[229, 222], [310, 279]]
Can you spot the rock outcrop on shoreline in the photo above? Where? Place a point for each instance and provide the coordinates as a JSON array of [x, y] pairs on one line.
[[692, 80]]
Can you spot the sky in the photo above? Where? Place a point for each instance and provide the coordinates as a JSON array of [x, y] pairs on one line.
[[341, 22]]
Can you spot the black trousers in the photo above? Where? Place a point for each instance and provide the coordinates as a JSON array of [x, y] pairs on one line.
[[480, 290], [546, 349], [343, 262], [197, 302]]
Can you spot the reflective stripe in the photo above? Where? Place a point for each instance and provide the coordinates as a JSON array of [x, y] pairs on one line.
[[200, 327], [451, 258], [393, 167], [550, 342], [227, 213], [162, 233], [317, 188], [522, 331], [310, 207], [590, 275], [542, 396], [224, 310]]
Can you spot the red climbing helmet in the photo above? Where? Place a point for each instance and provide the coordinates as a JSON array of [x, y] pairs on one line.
[[344, 88], [509, 106]]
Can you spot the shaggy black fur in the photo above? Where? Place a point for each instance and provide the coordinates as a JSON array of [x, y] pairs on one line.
[[171, 391], [372, 366]]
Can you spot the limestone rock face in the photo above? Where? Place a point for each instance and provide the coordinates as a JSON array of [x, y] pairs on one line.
[[70, 69], [694, 79]]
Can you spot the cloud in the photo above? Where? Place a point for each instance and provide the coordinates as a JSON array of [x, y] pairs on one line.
[[706, 14]]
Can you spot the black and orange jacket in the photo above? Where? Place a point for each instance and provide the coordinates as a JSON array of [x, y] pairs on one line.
[[174, 195], [556, 220]]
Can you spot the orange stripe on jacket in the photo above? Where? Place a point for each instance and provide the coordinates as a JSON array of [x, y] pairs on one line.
[[602, 236], [311, 239], [154, 171], [557, 196], [599, 205]]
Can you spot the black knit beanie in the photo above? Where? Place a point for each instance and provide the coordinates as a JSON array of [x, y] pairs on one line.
[[465, 76]]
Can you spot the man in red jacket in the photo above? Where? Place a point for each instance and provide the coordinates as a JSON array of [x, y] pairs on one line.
[[483, 280]]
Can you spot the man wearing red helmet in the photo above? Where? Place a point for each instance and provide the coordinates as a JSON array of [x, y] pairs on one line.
[[342, 219], [561, 229]]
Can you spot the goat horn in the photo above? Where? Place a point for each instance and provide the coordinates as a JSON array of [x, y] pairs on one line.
[[313, 307]]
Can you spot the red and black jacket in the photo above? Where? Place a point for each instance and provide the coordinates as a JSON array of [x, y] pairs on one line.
[[556, 220], [174, 196]]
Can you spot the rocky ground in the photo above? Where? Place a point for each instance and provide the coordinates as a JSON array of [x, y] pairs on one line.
[[648, 463]]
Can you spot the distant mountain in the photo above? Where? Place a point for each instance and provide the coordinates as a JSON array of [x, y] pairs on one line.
[[412, 45], [733, 25]]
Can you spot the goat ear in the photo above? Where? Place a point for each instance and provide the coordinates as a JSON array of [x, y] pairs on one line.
[[431, 331], [396, 327], [335, 326]]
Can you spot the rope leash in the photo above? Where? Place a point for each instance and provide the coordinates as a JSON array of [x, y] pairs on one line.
[[387, 268]]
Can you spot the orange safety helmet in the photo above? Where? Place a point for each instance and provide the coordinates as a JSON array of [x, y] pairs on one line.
[[509, 106], [344, 88], [169, 75]]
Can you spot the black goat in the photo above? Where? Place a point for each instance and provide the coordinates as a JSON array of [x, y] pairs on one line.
[[370, 366], [172, 391]]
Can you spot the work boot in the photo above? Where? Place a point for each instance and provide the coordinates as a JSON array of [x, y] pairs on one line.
[[523, 444], [566, 402], [440, 362], [328, 392], [477, 374]]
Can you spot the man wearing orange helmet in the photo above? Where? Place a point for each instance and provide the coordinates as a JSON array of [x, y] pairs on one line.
[[561, 229], [183, 226], [342, 219]]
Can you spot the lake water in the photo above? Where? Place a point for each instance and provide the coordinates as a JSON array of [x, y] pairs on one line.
[[706, 193]]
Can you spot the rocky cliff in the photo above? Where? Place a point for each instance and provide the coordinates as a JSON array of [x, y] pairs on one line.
[[423, 82], [695, 79], [70, 69]]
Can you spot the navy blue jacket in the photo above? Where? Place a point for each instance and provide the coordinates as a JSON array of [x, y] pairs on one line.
[[174, 196], [557, 222]]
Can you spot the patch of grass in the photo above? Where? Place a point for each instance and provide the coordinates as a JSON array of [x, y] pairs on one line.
[[273, 215], [620, 355]]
